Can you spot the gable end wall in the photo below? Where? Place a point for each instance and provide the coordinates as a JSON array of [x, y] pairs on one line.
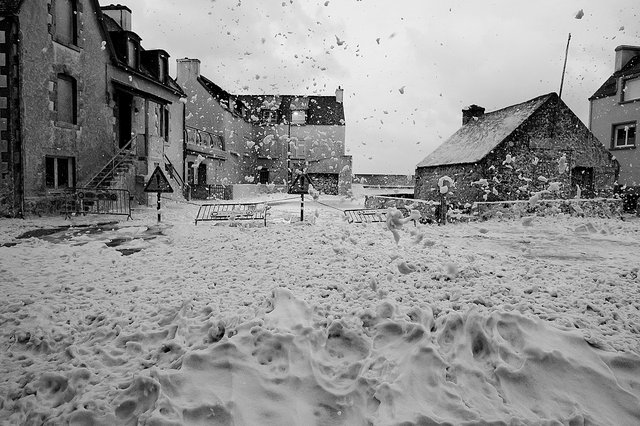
[[536, 145]]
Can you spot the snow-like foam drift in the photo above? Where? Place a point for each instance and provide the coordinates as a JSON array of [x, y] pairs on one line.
[[385, 366]]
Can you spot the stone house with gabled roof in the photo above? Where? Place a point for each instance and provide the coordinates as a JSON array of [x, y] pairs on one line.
[[234, 139], [514, 152], [75, 87]]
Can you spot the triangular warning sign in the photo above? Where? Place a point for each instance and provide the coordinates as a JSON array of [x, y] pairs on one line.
[[158, 182]]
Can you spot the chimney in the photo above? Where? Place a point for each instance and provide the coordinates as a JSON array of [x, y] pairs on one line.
[[624, 55], [339, 94], [187, 69], [119, 13], [472, 111]]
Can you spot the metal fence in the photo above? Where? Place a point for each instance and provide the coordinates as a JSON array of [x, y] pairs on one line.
[[98, 201]]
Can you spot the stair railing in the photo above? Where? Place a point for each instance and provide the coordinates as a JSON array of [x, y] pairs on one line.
[[113, 163], [174, 172]]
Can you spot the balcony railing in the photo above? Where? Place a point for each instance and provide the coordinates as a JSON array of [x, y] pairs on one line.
[[204, 138]]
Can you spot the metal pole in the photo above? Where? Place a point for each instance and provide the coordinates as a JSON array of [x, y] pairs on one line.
[[566, 54], [159, 195]]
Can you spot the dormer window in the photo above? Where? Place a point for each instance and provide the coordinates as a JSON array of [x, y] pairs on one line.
[[66, 22], [133, 52], [162, 68], [631, 89]]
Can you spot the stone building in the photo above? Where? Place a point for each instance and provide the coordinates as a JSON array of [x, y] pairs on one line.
[[514, 152], [615, 112], [77, 87], [234, 139]]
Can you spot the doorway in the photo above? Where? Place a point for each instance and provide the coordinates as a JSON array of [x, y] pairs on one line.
[[582, 177], [124, 105], [263, 177], [202, 174]]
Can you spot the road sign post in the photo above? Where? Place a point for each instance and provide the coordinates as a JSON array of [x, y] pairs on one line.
[[158, 183], [300, 185]]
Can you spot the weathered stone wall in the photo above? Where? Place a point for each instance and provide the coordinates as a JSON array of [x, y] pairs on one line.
[[91, 139], [595, 207], [11, 195], [527, 161], [385, 180], [326, 183], [426, 208], [462, 175]]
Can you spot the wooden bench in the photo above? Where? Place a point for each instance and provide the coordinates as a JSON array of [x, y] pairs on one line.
[[371, 215], [232, 211]]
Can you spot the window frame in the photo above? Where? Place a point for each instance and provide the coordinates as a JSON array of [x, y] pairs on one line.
[[133, 46], [164, 123], [623, 89], [614, 136], [74, 99], [73, 21], [55, 178], [298, 122], [269, 116]]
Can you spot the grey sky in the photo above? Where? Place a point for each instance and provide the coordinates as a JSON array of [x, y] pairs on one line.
[[408, 67]]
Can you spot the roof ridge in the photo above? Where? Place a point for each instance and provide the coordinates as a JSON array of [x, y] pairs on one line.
[[550, 94]]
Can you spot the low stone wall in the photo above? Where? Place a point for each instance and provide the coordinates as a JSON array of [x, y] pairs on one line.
[[426, 208], [593, 207], [251, 190]]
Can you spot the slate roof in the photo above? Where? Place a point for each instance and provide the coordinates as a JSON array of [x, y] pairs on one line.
[[609, 88], [110, 26], [321, 110], [474, 140], [9, 6]]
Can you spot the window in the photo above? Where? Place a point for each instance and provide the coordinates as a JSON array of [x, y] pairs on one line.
[[624, 135], [298, 116], [298, 148], [66, 100], [269, 116], [162, 69], [190, 174], [66, 20], [631, 89], [164, 122], [132, 53], [59, 172]]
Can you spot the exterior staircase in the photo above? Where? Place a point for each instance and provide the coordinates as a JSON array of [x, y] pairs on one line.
[[121, 162]]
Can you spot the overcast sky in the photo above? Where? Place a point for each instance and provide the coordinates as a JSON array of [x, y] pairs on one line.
[[408, 67]]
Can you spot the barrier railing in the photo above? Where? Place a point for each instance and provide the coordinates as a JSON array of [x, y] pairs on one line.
[[98, 201]]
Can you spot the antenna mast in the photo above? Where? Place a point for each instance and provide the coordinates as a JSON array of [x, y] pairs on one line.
[[566, 54]]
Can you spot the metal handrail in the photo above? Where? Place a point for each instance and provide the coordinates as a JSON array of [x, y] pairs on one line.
[[112, 163], [175, 176]]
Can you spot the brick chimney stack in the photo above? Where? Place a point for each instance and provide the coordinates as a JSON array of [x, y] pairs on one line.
[[187, 69], [339, 94], [624, 54], [470, 112], [119, 13]]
